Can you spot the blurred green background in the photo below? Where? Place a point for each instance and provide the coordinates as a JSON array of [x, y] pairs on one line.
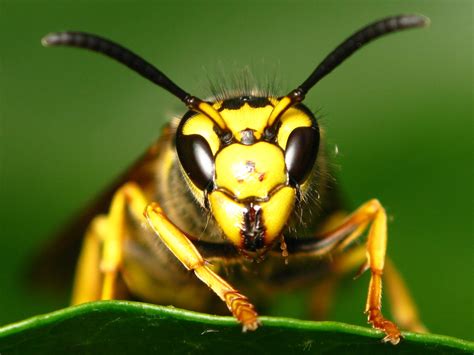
[[400, 112]]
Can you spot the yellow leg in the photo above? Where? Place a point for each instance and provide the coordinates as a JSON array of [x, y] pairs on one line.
[[402, 306], [101, 255], [87, 281], [179, 244], [321, 297], [371, 213]]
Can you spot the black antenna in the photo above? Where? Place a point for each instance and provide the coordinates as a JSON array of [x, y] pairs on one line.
[[356, 41], [133, 61], [341, 53], [117, 52]]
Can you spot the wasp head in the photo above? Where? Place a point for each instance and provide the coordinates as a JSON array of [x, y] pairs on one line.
[[250, 173]]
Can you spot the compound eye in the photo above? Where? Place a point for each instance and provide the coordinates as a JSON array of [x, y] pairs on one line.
[[196, 158], [301, 152]]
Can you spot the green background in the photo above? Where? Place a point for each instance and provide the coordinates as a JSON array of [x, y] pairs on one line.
[[400, 112]]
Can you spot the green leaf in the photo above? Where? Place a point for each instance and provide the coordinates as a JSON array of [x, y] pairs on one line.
[[115, 327]]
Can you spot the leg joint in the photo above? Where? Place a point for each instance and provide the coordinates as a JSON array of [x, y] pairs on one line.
[[374, 205], [375, 271], [195, 265]]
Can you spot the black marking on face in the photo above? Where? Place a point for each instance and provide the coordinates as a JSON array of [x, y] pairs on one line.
[[270, 133], [253, 229], [237, 102], [226, 137]]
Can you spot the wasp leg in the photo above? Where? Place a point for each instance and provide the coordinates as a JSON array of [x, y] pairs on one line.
[[185, 251], [401, 303], [321, 297], [374, 214], [322, 293], [101, 255], [87, 280]]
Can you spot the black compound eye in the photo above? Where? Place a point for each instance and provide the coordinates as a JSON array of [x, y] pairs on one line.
[[301, 152], [196, 158]]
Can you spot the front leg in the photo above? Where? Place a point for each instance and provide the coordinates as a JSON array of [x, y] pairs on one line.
[[101, 256], [185, 251], [336, 240], [372, 213]]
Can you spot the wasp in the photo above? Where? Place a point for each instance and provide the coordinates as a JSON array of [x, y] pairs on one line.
[[236, 196]]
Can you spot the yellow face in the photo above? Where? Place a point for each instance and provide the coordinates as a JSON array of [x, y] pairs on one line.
[[248, 174]]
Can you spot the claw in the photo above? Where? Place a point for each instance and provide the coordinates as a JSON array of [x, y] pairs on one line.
[[392, 332], [389, 339], [251, 326]]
